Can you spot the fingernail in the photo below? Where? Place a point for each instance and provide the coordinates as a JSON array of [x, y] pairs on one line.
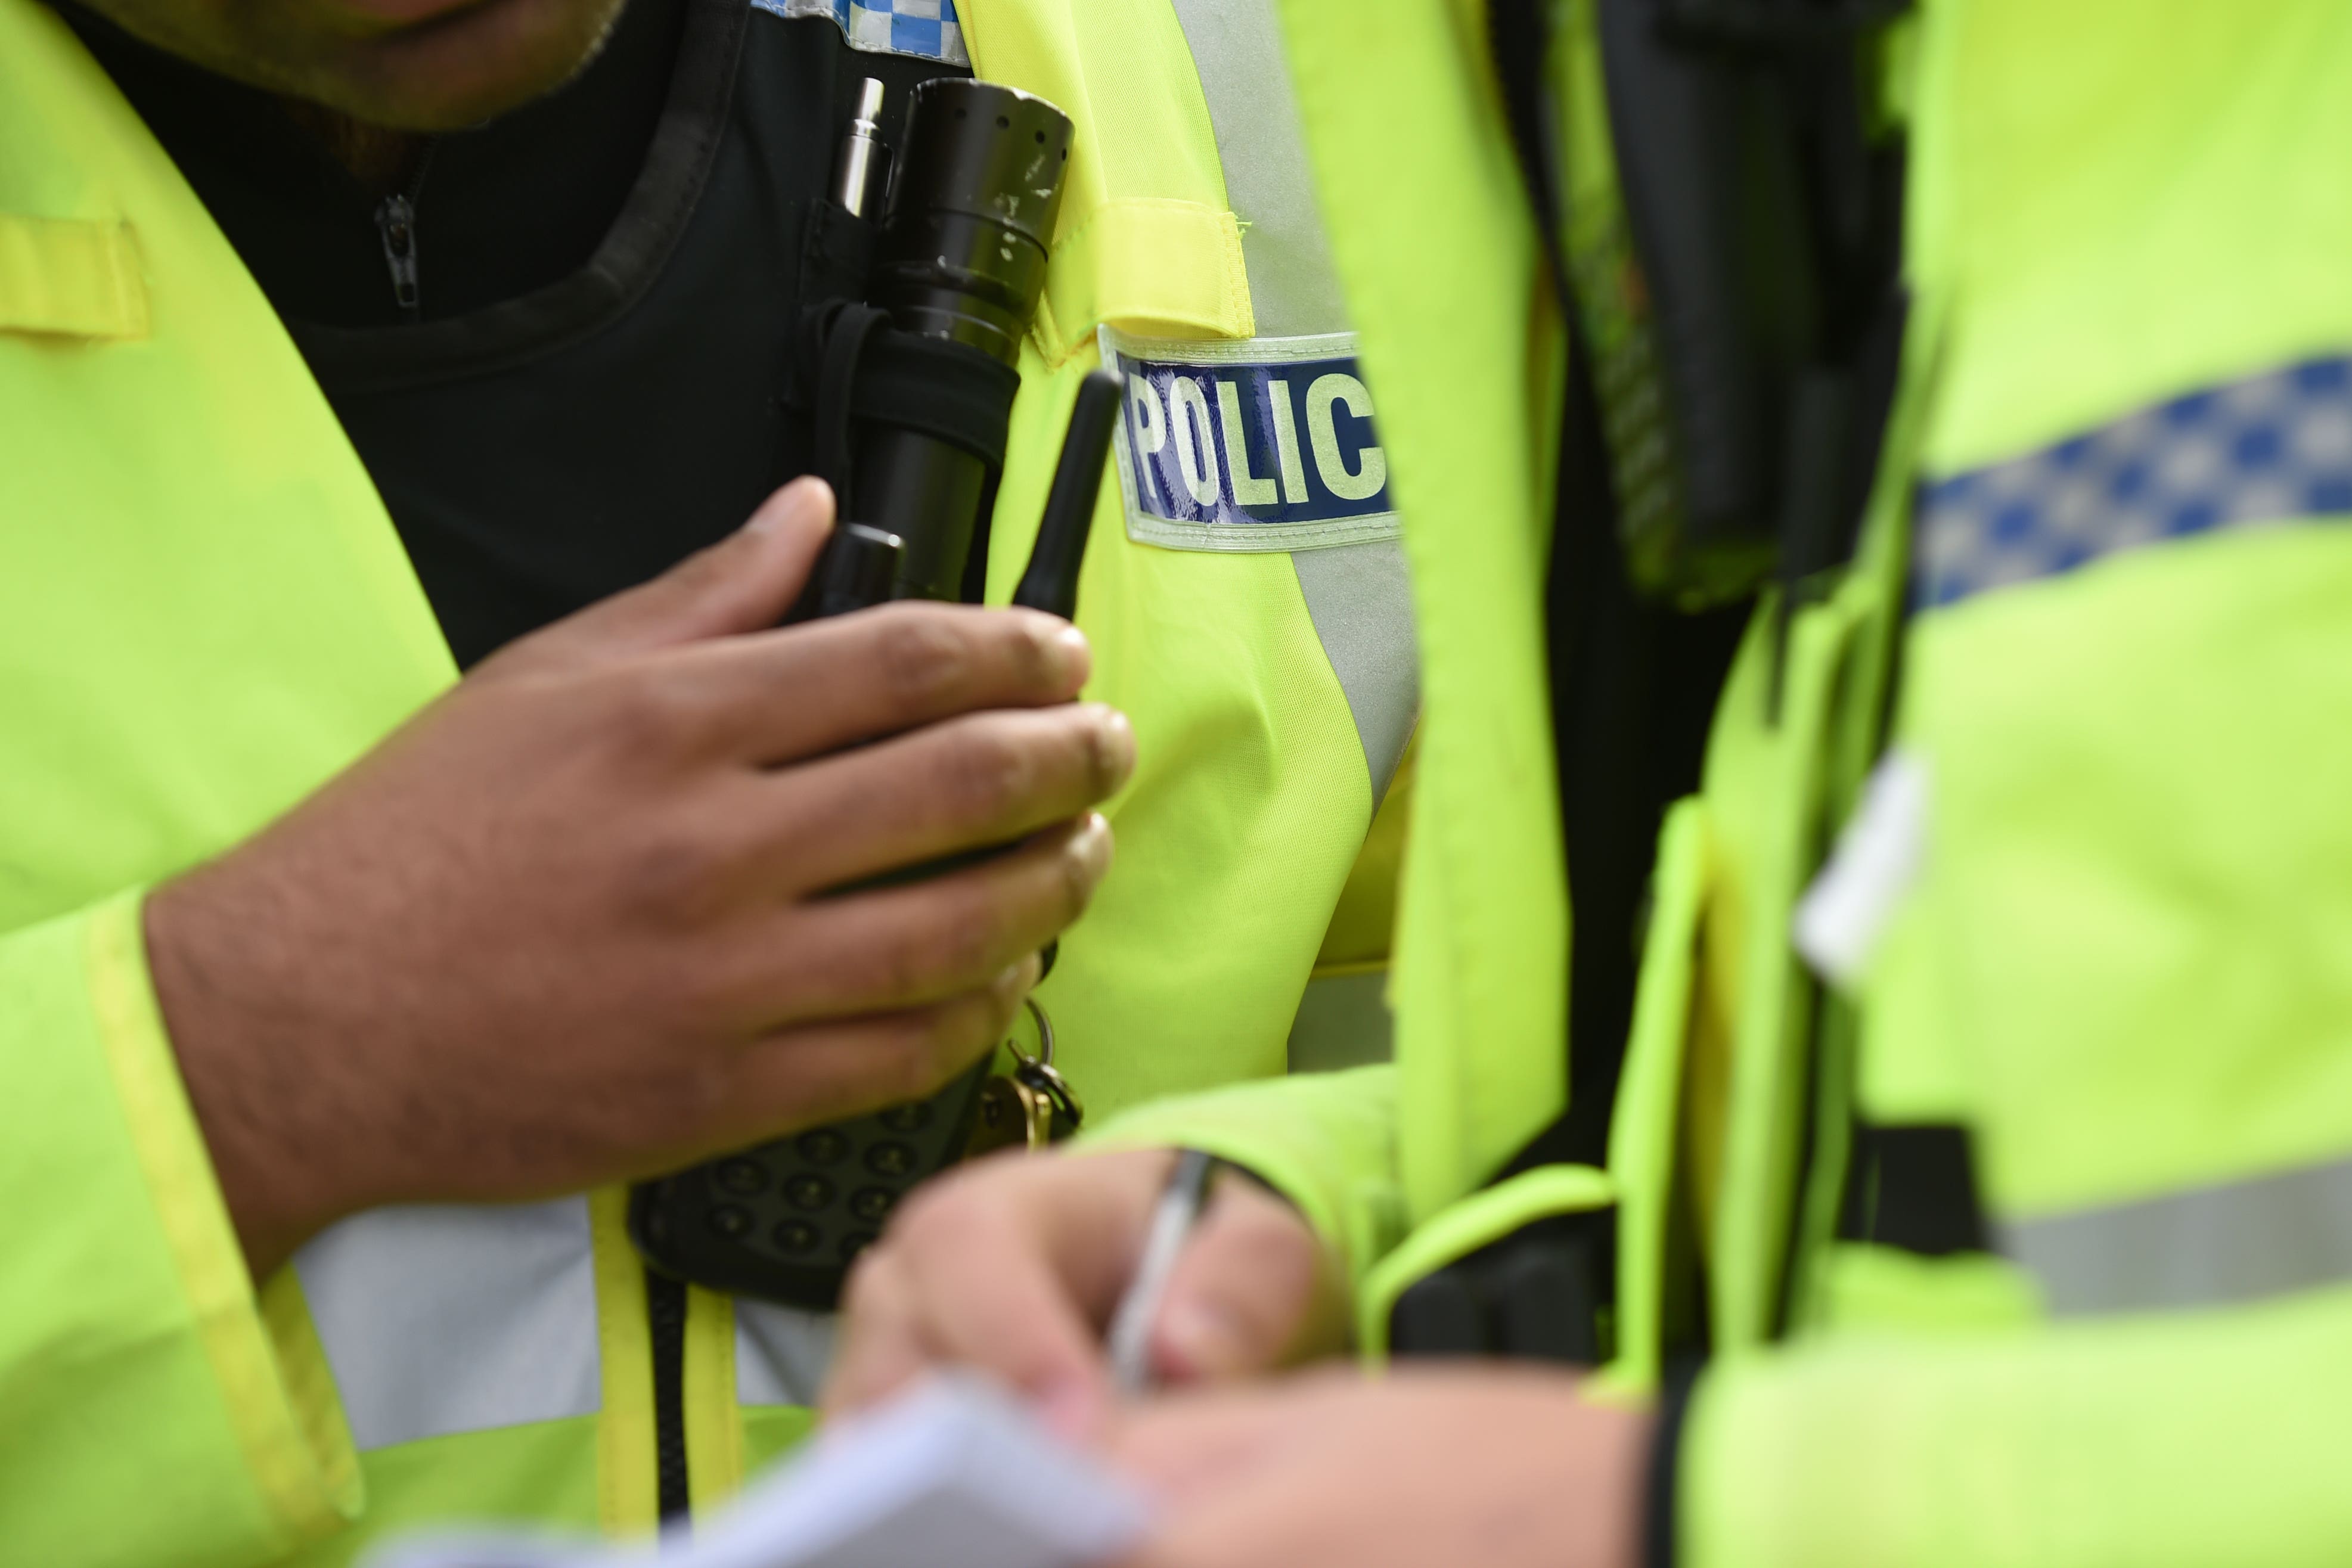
[[1092, 846], [1019, 979], [1073, 659], [794, 500], [1202, 1338], [1117, 742]]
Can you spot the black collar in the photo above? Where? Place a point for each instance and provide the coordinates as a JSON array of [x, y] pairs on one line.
[[529, 231]]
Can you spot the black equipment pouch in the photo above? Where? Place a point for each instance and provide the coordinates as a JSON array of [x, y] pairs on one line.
[[1739, 285]]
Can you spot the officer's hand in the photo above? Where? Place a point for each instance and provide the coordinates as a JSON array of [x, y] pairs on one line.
[[569, 924], [1501, 1467], [1015, 1263]]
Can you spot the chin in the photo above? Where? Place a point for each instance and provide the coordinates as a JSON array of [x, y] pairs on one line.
[[463, 66]]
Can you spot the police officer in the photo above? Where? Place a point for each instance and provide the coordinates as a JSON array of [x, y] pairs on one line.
[[2005, 1128], [468, 967]]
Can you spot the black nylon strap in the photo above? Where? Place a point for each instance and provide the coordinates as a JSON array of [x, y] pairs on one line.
[[870, 372], [1661, 1544], [1914, 1187], [846, 327], [951, 391]]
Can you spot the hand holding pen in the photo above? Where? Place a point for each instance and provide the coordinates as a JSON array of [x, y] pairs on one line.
[[1018, 1266]]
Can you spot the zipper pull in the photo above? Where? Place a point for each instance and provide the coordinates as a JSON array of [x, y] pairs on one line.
[[395, 222]]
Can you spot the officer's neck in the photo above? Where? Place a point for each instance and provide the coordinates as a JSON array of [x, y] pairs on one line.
[[384, 160]]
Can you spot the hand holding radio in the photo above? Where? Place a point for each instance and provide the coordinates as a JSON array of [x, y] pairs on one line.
[[911, 349], [573, 922]]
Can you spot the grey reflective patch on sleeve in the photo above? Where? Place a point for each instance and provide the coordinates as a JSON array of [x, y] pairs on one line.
[[1343, 1022], [439, 1320], [1362, 602], [1244, 74], [2242, 1241], [782, 1354]]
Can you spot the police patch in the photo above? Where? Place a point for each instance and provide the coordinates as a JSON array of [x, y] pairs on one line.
[[926, 29], [1263, 444]]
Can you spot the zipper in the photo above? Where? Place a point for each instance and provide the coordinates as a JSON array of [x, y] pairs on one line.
[[395, 225], [666, 1327]]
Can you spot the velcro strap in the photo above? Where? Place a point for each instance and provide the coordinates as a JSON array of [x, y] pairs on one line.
[[1155, 266], [951, 392], [72, 276], [847, 329]]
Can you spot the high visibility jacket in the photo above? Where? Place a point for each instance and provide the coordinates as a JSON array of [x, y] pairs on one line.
[[1426, 219], [204, 612], [2095, 907], [2113, 513]]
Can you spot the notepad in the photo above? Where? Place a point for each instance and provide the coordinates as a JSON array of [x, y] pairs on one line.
[[955, 1473]]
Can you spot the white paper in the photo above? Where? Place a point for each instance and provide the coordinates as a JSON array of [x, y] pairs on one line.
[[1878, 859], [954, 1473]]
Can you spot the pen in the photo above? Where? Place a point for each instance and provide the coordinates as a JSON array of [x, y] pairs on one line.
[[1180, 1202]]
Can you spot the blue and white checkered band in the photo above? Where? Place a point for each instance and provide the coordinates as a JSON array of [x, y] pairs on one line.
[[2268, 449], [1263, 444], [926, 29]]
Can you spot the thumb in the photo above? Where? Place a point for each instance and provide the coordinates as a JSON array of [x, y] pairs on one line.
[[1255, 1288], [743, 583]]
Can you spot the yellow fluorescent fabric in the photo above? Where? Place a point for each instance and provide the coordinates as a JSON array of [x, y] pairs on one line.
[[626, 1499], [2162, 1443], [1399, 104], [2045, 253], [153, 1411], [2148, 854], [277, 1379], [203, 613], [1145, 242], [714, 1433], [1416, 185], [1250, 800], [2128, 944], [1363, 924], [1643, 1133], [73, 276], [1326, 1139], [1159, 267]]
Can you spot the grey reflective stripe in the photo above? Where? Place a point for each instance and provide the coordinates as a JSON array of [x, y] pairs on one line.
[[1237, 50], [2217, 1244], [1356, 594], [443, 1320], [1362, 602], [1343, 1022], [781, 1354]]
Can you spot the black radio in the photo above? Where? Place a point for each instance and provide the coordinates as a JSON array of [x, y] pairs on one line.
[[911, 351], [782, 1221]]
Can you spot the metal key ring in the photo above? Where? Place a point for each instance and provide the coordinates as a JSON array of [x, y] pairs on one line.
[[1045, 1057]]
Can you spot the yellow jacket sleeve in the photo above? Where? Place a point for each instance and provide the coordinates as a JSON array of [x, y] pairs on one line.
[[1326, 1141], [2170, 1441], [153, 1407]]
